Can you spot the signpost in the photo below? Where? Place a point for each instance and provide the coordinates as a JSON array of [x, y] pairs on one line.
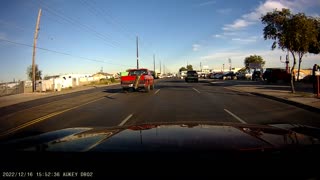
[[317, 73]]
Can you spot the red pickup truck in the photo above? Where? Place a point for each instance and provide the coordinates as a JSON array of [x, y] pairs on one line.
[[138, 79]]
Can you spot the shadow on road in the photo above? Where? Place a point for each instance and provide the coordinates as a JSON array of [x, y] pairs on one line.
[[119, 90]]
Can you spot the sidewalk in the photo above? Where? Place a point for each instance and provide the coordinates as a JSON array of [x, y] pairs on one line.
[[302, 98], [19, 98]]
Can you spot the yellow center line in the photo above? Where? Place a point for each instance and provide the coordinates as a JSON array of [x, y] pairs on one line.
[[44, 118]]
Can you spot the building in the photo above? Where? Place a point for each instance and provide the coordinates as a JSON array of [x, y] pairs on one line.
[[102, 75], [58, 82]]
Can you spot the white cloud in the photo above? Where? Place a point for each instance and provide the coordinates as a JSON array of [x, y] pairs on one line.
[[224, 11], [272, 58], [243, 40], [315, 15], [217, 36], [263, 8], [246, 40], [269, 5], [195, 47], [223, 55], [224, 34], [207, 3], [236, 25]]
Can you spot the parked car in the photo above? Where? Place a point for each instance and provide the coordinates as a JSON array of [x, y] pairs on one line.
[[243, 75], [229, 76], [276, 74], [256, 76], [217, 76], [226, 75], [192, 76]]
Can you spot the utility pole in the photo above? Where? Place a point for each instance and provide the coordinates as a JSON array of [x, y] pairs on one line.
[[137, 54], [34, 52], [200, 67], [154, 63], [160, 67], [287, 62]]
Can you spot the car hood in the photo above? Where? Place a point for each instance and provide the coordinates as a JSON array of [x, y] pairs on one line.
[[172, 137]]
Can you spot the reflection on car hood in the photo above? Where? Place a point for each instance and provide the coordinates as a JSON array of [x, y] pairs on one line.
[[169, 137]]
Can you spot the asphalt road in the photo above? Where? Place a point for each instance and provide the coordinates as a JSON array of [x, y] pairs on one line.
[[172, 100]]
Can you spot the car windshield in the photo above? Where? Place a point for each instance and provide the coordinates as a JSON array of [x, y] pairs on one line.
[[167, 75], [137, 72], [192, 73]]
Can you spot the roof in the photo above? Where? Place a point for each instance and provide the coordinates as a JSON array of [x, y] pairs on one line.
[[105, 74]]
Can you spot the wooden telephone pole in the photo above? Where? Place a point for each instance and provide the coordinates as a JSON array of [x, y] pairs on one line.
[[137, 53], [34, 52], [154, 63]]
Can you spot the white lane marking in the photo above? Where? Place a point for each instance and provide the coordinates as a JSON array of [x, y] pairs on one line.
[[236, 117], [196, 90], [125, 120], [157, 91]]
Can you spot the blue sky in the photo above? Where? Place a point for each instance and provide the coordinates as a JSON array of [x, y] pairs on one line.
[[101, 34]]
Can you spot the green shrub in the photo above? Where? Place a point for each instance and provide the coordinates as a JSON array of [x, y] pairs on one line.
[[112, 80]]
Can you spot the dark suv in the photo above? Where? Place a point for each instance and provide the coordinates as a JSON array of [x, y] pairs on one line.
[[276, 74], [192, 76]]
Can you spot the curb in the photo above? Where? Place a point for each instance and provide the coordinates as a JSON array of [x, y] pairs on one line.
[[279, 99], [300, 105], [57, 94]]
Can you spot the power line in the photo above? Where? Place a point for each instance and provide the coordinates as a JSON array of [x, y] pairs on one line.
[[77, 23], [105, 13], [122, 27], [97, 34], [63, 53], [11, 26]]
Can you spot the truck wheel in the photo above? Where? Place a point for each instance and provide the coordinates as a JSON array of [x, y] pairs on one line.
[[152, 87], [148, 88]]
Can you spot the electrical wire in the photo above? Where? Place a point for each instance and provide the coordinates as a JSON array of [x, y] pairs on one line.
[[63, 53], [78, 24]]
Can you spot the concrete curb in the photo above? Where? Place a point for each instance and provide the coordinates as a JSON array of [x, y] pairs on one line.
[[55, 94], [294, 103], [279, 99]]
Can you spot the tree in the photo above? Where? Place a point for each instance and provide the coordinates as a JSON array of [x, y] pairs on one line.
[[189, 67], [242, 70], [38, 72], [315, 47], [182, 69], [293, 33], [253, 59]]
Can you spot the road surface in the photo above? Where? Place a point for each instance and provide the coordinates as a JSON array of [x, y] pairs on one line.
[[172, 100]]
